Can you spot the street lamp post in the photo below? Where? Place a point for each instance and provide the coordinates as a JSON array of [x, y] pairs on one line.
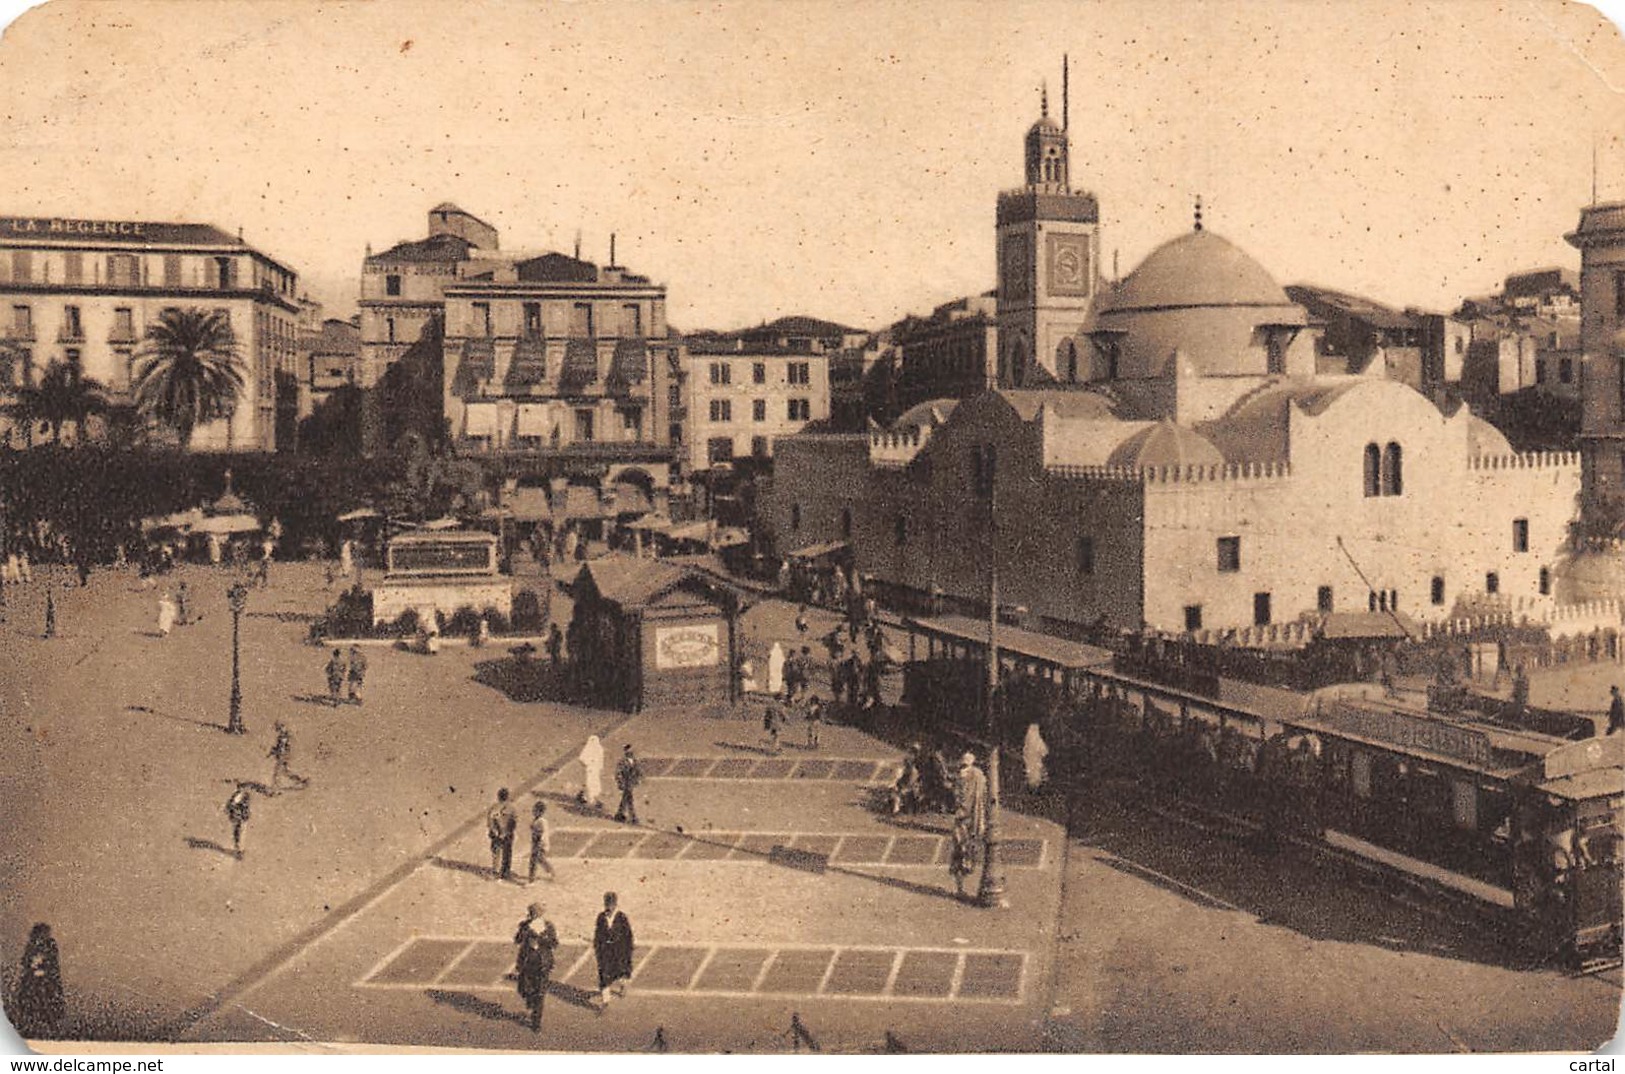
[[237, 598], [990, 893]]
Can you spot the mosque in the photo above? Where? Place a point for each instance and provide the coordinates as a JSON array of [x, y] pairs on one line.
[[1160, 452]]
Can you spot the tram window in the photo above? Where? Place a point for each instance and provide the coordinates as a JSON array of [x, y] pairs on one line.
[[1229, 549], [1360, 774], [1464, 804], [1323, 598], [1261, 609], [1193, 617], [1438, 589]]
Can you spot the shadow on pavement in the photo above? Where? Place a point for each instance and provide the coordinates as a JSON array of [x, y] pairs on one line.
[[570, 804], [453, 865], [576, 997], [209, 844], [326, 701], [523, 680], [745, 747], [148, 711], [484, 1008], [284, 617], [1286, 888]]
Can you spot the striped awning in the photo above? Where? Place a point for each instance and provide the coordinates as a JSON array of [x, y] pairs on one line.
[[480, 419], [534, 421]]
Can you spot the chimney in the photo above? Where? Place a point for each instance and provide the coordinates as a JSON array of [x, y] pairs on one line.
[[612, 250]]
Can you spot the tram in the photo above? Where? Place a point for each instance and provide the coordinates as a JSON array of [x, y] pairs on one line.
[[1515, 817]]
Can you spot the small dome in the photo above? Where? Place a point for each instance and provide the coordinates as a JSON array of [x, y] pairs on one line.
[[1045, 125], [1197, 269], [1485, 439], [1165, 444]]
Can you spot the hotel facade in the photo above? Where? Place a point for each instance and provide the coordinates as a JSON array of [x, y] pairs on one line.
[[82, 293]]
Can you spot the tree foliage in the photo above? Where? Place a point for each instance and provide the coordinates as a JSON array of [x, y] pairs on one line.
[[190, 372]]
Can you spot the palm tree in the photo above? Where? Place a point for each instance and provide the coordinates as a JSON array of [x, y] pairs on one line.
[[190, 370], [62, 395]]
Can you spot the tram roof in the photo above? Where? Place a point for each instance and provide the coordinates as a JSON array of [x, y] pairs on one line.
[[1044, 648]]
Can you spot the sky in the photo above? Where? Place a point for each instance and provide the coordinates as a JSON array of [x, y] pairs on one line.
[[834, 159]]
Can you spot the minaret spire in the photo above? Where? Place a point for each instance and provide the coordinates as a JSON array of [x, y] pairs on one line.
[[1066, 96], [1198, 212], [1044, 99]]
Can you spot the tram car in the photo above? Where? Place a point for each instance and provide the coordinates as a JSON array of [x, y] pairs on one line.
[[1514, 816]]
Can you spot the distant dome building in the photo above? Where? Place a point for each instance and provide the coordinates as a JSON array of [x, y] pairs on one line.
[[1203, 296], [1162, 453]]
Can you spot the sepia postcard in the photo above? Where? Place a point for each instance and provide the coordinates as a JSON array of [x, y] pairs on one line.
[[825, 528]]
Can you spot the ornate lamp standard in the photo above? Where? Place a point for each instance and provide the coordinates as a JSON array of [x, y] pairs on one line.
[[237, 598], [990, 892]]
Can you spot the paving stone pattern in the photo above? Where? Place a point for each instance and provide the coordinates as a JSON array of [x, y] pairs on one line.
[[927, 974]]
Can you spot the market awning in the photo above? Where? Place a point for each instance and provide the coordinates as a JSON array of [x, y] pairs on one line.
[[650, 524], [690, 531], [480, 419], [227, 524], [359, 514], [180, 520], [730, 537], [820, 551], [581, 501], [630, 500], [528, 505]]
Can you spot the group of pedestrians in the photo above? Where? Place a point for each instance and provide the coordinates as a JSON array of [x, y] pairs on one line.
[[342, 673], [537, 940]]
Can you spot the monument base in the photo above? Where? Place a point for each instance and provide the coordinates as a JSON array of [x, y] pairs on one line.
[[426, 596]]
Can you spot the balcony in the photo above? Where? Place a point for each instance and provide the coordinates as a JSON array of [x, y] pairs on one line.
[[71, 335], [123, 336]]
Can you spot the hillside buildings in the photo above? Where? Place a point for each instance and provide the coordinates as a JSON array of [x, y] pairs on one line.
[[81, 293], [1166, 452], [740, 398]]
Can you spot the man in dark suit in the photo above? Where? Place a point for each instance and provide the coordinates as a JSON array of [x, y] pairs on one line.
[[612, 944], [537, 940], [500, 824]]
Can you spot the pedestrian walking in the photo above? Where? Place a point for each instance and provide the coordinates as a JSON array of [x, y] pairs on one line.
[[500, 824], [347, 558], [282, 754], [537, 941], [815, 722], [612, 945], [39, 1006], [801, 620], [962, 855], [356, 676], [555, 645], [237, 814], [1616, 711], [25, 570], [541, 842], [183, 604], [1033, 752], [166, 615], [335, 677], [628, 774], [592, 777], [970, 796], [771, 719], [50, 614]]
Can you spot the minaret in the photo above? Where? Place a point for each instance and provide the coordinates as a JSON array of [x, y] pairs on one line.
[[1049, 250], [1600, 238]]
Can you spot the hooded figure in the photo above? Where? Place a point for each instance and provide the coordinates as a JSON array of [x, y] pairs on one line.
[[775, 669], [166, 615], [40, 1008], [592, 781], [1033, 752]]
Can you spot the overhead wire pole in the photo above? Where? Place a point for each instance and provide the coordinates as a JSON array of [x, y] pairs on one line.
[[990, 893]]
